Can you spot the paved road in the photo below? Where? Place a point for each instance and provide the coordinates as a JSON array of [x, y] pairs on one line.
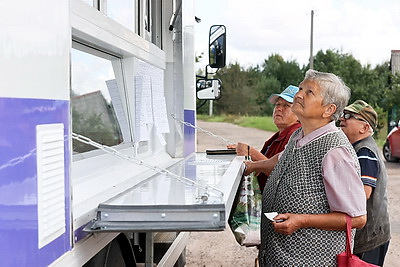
[[220, 248]]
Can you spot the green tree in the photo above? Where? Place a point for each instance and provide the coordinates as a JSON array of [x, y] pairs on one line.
[[391, 98], [246, 91], [276, 75], [365, 83], [237, 90], [286, 72], [266, 86]]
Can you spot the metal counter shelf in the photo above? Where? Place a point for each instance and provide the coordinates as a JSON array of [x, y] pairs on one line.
[[166, 203]]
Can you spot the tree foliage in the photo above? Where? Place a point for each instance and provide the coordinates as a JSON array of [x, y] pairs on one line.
[[238, 90], [365, 83], [246, 91]]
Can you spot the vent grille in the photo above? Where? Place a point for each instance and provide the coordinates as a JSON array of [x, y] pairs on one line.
[[51, 173]]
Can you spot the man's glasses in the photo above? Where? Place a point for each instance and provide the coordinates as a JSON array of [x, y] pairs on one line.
[[347, 116]]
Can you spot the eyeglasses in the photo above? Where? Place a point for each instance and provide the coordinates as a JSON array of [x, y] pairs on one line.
[[347, 116]]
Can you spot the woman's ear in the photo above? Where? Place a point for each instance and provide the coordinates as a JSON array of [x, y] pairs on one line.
[[329, 111]]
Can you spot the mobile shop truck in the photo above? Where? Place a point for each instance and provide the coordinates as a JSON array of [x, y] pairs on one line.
[[97, 144]]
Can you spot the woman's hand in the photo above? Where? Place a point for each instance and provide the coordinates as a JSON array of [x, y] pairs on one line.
[[264, 166], [249, 167], [231, 146], [242, 149], [289, 224], [333, 221]]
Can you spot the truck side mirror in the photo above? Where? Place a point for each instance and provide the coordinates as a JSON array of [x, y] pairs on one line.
[[208, 89], [217, 46]]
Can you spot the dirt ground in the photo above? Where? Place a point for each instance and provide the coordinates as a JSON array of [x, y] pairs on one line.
[[216, 249]]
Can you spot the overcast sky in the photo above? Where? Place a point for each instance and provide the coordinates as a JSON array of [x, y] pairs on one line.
[[367, 29]]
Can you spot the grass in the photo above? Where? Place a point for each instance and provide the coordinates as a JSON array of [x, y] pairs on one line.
[[262, 123], [265, 123]]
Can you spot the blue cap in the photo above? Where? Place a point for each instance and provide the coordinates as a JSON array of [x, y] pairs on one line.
[[287, 94]]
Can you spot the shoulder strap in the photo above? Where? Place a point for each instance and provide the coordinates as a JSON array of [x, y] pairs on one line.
[[348, 235]]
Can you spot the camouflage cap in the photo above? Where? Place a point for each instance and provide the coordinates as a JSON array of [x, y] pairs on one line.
[[365, 111]]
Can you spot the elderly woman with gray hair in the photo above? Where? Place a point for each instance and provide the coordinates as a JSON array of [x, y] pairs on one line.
[[313, 183]]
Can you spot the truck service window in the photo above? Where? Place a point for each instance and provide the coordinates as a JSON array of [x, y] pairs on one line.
[[122, 12], [89, 2], [93, 112]]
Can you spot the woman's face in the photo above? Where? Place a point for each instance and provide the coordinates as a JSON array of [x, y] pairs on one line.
[[307, 102], [283, 115]]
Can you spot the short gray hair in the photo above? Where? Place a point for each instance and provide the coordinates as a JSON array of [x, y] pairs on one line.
[[333, 90]]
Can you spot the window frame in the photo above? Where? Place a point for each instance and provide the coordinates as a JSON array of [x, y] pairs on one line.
[[148, 18], [78, 45]]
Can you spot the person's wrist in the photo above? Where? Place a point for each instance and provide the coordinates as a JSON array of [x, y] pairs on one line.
[[304, 220]]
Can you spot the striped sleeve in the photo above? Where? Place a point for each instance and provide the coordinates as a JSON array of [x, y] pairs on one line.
[[369, 166]]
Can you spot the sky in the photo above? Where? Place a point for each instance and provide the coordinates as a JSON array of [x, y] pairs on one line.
[[256, 29]]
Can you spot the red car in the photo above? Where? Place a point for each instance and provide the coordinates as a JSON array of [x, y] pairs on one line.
[[391, 149]]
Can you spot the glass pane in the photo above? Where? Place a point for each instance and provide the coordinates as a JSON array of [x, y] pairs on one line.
[[89, 2], [93, 114], [122, 11], [147, 15], [156, 24]]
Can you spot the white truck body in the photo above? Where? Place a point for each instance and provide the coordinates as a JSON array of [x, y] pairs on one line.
[[142, 72]]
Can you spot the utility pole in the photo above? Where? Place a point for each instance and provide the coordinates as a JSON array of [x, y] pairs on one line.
[[311, 41]]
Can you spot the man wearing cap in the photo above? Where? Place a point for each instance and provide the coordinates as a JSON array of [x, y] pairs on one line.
[[287, 123], [358, 122]]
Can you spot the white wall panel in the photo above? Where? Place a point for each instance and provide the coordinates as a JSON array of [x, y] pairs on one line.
[[34, 49]]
